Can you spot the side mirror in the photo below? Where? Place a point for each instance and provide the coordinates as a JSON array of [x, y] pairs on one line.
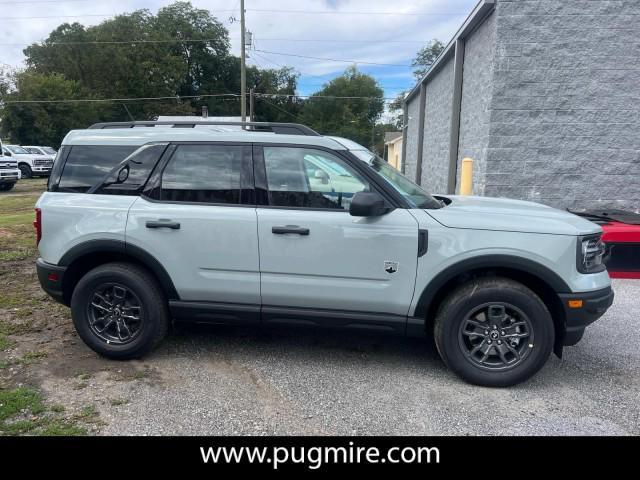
[[7, 153], [367, 204]]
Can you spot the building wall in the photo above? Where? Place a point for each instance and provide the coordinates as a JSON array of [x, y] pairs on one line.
[[477, 92], [412, 138], [394, 153], [437, 127], [566, 103], [550, 106]]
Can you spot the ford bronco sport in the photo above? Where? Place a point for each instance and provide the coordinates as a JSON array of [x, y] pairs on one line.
[[144, 223]]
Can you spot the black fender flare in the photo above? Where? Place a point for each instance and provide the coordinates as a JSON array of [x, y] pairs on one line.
[[511, 262], [126, 249]]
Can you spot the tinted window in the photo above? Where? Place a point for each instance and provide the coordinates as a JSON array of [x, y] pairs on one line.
[[130, 177], [86, 165], [207, 174], [301, 177]]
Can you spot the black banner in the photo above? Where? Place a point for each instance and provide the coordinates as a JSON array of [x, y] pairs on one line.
[[482, 456]]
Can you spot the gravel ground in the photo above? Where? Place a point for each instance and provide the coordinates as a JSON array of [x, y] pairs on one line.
[[230, 381]]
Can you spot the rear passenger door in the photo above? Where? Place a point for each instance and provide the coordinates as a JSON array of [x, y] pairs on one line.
[[197, 217]]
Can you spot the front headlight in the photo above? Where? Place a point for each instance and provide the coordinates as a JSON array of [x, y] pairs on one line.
[[591, 252]]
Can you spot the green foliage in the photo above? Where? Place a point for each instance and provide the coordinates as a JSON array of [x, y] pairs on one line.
[[425, 57], [351, 118], [65, 66]]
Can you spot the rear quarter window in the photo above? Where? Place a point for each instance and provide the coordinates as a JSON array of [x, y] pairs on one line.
[[86, 165]]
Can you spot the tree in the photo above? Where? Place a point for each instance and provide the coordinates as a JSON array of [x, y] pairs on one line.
[[425, 58], [43, 124], [181, 51], [354, 118]]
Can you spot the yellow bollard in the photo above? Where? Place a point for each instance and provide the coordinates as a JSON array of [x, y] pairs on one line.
[[466, 177]]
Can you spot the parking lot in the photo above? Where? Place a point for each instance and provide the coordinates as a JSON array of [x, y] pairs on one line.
[[238, 381]]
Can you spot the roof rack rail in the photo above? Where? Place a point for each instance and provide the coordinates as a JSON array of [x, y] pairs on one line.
[[275, 127]]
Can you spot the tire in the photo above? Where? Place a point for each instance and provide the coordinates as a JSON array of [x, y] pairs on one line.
[[517, 347], [98, 299], [25, 170], [5, 187]]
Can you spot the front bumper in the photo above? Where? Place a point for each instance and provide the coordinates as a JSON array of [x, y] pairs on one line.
[[41, 170], [51, 277], [9, 176], [593, 306]]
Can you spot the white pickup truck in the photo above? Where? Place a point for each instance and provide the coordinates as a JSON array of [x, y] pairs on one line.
[[9, 173]]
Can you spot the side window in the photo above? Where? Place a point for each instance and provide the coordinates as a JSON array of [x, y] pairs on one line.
[[131, 176], [208, 174], [86, 165], [304, 177]]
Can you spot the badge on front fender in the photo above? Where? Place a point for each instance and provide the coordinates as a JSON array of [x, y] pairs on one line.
[[390, 267]]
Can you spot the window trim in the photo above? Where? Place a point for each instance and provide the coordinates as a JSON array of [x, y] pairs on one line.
[[153, 187], [395, 201]]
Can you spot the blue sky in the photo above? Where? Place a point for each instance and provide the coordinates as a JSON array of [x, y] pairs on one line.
[[350, 30]]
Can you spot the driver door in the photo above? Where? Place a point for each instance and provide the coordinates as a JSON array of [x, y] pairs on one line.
[[313, 254]]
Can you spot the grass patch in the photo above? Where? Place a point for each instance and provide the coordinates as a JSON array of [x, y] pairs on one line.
[[116, 402], [4, 342], [21, 402], [13, 402], [30, 358]]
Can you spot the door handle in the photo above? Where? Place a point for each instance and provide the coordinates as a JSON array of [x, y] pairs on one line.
[[163, 223], [290, 229]]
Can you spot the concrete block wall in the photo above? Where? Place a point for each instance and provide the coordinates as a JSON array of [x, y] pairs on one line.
[[437, 128], [565, 112], [477, 93], [411, 140], [550, 105]]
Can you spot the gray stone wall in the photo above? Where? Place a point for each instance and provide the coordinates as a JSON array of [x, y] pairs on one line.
[[477, 90], [550, 105], [565, 120], [437, 125], [412, 138]]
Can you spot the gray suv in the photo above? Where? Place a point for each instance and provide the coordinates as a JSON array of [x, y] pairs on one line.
[[144, 223]]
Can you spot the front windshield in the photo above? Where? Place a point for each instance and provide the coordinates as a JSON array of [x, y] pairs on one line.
[[17, 150], [49, 150], [414, 194], [33, 150]]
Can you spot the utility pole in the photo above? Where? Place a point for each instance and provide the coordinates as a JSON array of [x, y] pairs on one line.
[[252, 100], [243, 67]]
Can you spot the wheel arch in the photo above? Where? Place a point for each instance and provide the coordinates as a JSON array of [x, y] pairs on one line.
[[88, 255], [539, 278]]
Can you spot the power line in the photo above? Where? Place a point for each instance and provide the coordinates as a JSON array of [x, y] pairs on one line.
[[83, 15], [184, 97], [334, 59], [117, 42], [278, 108], [335, 12], [19, 2], [92, 100], [329, 40]]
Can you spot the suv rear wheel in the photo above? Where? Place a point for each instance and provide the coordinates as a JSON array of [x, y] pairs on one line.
[[494, 332], [119, 310]]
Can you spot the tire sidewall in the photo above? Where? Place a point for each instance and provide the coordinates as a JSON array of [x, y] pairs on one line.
[[25, 170], [530, 305], [83, 294]]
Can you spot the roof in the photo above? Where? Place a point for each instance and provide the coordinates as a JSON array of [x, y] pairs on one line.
[[390, 137], [201, 133]]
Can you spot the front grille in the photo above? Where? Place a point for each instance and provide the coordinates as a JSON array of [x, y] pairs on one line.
[[43, 163], [8, 165]]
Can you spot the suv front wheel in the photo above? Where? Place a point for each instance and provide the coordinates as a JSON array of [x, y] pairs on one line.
[[494, 332], [120, 311]]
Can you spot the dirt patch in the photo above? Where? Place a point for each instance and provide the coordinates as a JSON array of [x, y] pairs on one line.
[[39, 349]]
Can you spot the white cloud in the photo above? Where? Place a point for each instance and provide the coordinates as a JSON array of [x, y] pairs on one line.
[[370, 38]]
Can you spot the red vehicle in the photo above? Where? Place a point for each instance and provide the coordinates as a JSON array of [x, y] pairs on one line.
[[622, 237]]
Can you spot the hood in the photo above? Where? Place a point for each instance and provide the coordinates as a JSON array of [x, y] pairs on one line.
[[484, 213]]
